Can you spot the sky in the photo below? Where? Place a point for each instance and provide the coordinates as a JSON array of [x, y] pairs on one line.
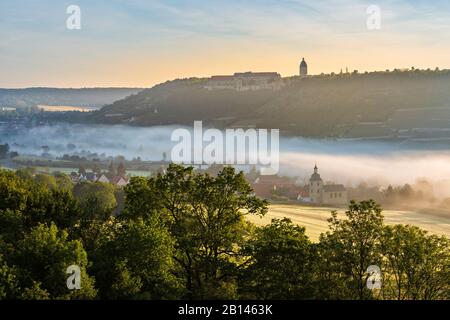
[[140, 43]]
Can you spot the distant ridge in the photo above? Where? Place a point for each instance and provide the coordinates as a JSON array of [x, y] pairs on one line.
[[82, 97]]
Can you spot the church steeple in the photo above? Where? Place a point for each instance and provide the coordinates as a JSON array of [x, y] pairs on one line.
[[315, 176], [316, 186]]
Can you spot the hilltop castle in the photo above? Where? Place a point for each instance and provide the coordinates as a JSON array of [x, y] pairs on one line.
[[334, 194], [251, 81], [246, 81]]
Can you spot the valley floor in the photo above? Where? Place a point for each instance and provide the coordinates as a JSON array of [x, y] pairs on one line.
[[314, 219]]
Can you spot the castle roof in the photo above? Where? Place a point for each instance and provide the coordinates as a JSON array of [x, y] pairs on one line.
[[256, 74], [222, 78]]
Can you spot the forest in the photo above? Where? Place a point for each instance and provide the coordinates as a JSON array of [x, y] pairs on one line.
[[184, 235]]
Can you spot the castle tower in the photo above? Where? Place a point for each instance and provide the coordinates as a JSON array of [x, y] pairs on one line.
[[303, 68], [316, 186]]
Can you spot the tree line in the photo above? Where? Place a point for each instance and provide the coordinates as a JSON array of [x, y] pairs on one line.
[[184, 235]]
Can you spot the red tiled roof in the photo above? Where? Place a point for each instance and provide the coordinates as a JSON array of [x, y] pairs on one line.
[[264, 186]]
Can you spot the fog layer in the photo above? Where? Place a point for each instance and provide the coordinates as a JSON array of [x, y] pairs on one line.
[[347, 162]]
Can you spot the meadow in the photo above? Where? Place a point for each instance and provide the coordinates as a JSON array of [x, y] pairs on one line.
[[314, 219]]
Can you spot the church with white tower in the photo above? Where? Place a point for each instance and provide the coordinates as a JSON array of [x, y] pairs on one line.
[[332, 194]]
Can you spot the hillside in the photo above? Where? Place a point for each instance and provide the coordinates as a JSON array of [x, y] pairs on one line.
[[399, 104], [85, 97]]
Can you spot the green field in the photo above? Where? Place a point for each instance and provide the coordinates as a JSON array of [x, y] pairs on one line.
[[314, 219]]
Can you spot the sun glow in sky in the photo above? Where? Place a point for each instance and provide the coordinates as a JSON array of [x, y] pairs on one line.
[[139, 43]]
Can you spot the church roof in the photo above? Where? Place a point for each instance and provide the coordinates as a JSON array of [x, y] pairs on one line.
[[315, 176]]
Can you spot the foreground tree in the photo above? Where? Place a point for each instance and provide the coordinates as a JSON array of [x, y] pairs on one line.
[[42, 259], [348, 249], [184, 235], [280, 263], [8, 280], [47, 181], [63, 182], [95, 197], [416, 265], [135, 261], [205, 215], [31, 203]]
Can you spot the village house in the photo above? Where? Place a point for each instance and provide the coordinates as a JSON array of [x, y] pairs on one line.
[[88, 176], [269, 186], [120, 181], [103, 177]]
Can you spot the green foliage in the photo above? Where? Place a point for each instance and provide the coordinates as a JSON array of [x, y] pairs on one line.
[[13, 192], [42, 258], [136, 262], [142, 199], [63, 182], [417, 266], [26, 173], [39, 202], [280, 263], [8, 280], [184, 235], [11, 225], [46, 181], [95, 197], [205, 216], [35, 292], [348, 249]]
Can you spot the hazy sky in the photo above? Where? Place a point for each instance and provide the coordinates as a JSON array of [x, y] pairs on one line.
[[144, 42]]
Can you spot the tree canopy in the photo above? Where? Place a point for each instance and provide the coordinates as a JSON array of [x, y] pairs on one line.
[[184, 235]]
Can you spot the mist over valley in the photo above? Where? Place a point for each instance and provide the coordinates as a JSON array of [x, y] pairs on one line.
[[344, 161]]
